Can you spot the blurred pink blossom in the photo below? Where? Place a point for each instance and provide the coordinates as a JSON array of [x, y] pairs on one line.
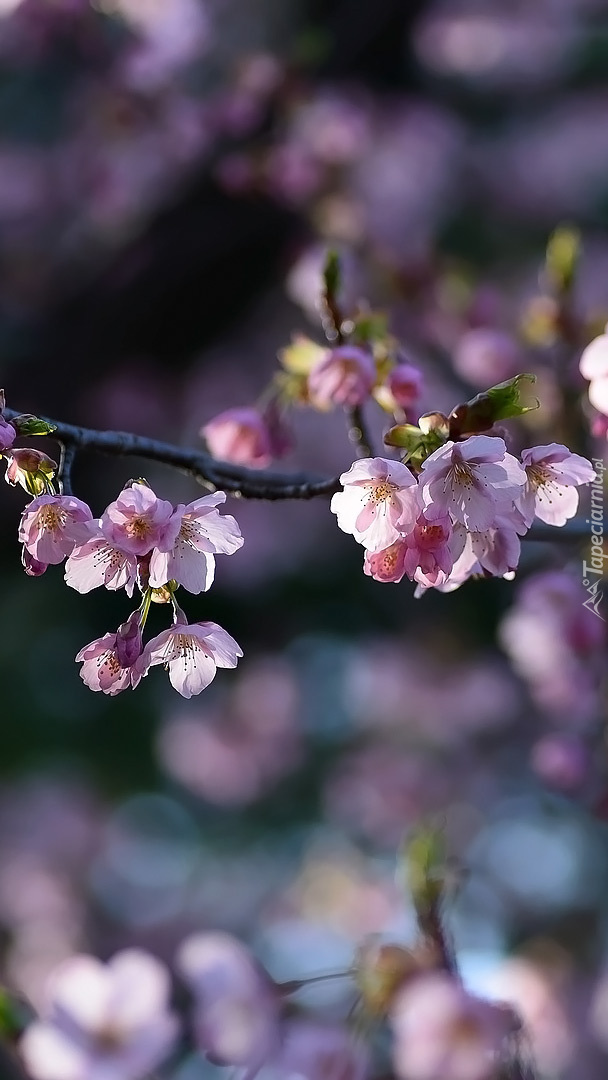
[[236, 1002], [102, 1020], [444, 1033], [345, 376]]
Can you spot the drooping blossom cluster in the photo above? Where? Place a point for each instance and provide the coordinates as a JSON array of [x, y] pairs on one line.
[[145, 541], [463, 515]]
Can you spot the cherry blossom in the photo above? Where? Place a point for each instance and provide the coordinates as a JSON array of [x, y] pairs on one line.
[[189, 541], [345, 376], [107, 1021], [52, 525], [553, 474], [237, 1004], [191, 653], [379, 502], [102, 669], [444, 1033], [98, 562], [134, 522], [388, 564], [472, 480], [430, 556]]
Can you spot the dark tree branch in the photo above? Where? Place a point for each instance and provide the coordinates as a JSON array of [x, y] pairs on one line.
[[358, 434], [10, 1066], [248, 483]]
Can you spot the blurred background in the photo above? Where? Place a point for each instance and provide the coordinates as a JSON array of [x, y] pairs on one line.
[[172, 173]]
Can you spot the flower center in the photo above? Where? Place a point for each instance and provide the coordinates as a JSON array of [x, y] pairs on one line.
[[430, 534], [538, 475], [51, 518], [137, 528], [109, 660], [380, 491], [461, 474]]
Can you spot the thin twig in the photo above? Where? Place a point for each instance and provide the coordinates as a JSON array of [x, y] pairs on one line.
[[64, 472], [358, 433]]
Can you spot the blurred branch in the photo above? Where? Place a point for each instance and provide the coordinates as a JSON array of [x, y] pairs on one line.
[[10, 1067]]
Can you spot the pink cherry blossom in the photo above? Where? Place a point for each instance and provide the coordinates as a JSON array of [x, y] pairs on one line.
[[237, 1004], [474, 480], [134, 522], [379, 504], [345, 376], [444, 1033], [553, 474], [52, 525], [102, 669], [98, 562], [102, 1021], [388, 564], [245, 436], [191, 653], [189, 541], [495, 551], [429, 557]]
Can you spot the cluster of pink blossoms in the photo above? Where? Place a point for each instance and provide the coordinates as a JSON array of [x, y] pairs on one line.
[[139, 539], [322, 378], [463, 515], [113, 1021]]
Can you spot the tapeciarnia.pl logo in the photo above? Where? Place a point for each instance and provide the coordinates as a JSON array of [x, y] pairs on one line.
[[593, 571]]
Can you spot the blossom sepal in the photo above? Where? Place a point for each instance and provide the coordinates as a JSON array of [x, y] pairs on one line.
[[27, 424]]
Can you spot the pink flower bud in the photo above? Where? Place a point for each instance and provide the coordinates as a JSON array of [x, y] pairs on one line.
[[30, 468], [129, 644], [486, 356], [345, 376], [33, 567], [404, 383], [7, 435], [245, 436]]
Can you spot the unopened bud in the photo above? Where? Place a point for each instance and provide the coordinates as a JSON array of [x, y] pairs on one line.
[[436, 422], [129, 643], [30, 468], [33, 567]]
